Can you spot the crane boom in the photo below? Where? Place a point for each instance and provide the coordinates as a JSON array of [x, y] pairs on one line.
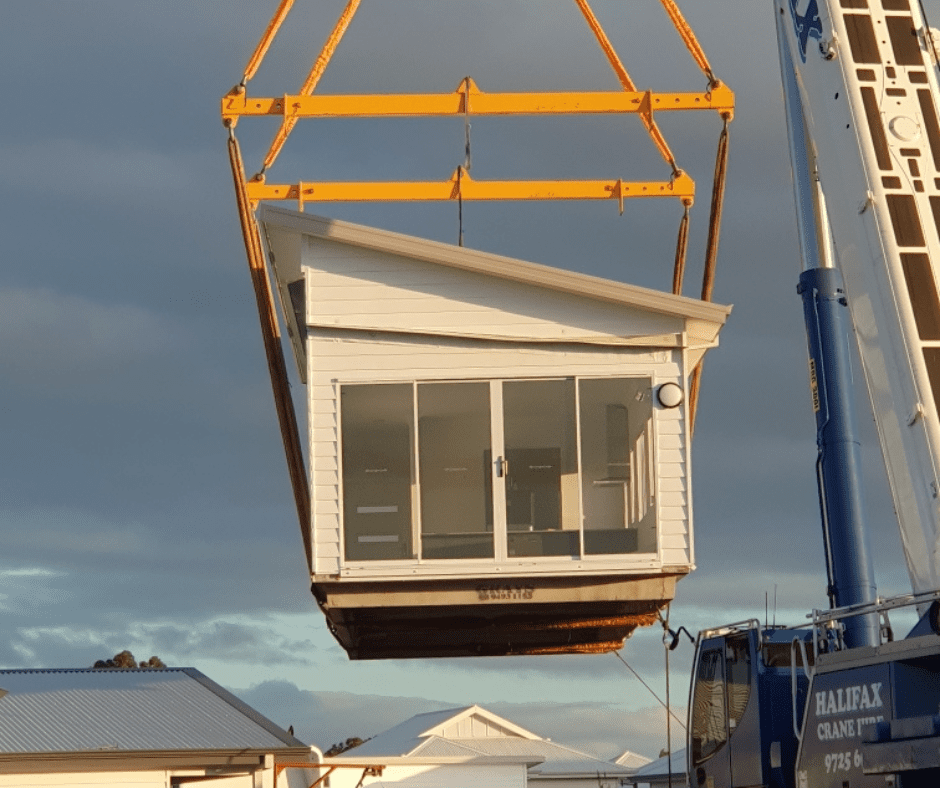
[[867, 82], [840, 702]]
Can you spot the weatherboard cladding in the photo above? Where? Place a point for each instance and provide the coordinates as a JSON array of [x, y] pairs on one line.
[[385, 307], [370, 360], [70, 711], [283, 230], [365, 288]]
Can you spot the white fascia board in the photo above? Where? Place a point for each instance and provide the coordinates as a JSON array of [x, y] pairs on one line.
[[484, 714]]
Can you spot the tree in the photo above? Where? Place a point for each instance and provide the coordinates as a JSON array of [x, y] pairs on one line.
[[125, 660], [349, 744]]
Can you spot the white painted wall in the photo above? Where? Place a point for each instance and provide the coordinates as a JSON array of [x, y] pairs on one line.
[[511, 775], [575, 782], [376, 317]]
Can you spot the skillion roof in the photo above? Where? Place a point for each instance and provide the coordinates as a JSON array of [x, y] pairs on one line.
[[282, 225], [285, 233], [122, 711]]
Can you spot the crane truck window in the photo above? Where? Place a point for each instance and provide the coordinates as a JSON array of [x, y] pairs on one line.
[[497, 469], [709, 716]]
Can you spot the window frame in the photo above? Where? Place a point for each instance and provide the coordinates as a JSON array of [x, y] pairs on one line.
[[636, 560]]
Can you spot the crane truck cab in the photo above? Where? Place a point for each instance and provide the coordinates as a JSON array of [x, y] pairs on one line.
[[797, 708], [745, 693]]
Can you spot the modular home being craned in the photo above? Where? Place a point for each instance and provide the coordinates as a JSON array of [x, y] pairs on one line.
[[498, 450]]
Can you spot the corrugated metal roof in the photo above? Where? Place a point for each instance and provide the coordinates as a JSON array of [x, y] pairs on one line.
[[659, 768], [403, 738], [632, 760], [556, 758], [59, 711], [438, 747], [406, 739]]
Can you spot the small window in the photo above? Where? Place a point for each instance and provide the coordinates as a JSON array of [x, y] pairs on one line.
[[617, 488], [377, 475], [709, 718], [739, 678], [453, 442]]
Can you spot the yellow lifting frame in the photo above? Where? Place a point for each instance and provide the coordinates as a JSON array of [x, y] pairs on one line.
[[236, 104], [466, 101], [462, 187]]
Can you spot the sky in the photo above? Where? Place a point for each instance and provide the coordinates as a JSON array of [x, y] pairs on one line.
[[144, 498]]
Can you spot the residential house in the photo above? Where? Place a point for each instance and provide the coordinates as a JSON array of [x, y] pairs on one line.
[[140, 728], [469, 747]]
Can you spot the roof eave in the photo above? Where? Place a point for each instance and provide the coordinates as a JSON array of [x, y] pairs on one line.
[[143, 760], [495, 265]]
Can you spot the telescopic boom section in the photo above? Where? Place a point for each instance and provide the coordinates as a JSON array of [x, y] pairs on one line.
[[867, 81]]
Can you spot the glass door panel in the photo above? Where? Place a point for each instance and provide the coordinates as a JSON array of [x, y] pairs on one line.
[[541, 468], [616, 465], [377, 425], [455, 470]]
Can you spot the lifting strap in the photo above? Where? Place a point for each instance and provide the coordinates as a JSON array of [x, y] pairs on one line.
[[688, 37], [682, 246], [466, 157], [313, 78], [271, 335], [265, 42], [646, 114], [711, 254]]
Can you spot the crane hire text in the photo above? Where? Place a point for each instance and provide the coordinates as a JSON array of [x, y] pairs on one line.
[[857, 698]]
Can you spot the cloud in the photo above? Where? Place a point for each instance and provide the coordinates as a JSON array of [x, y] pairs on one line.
[[143, 496], [323, 718], [123, 178], [237, 641], [249, 642], [48, 337]]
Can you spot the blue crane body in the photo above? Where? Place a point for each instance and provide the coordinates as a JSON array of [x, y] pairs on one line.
[[841, 703]]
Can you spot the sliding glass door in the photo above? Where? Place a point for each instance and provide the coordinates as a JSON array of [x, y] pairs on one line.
[[453, 447], [541, 468], [497, 470]]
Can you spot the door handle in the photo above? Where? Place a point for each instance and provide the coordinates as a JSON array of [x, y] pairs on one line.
[[502, 467]]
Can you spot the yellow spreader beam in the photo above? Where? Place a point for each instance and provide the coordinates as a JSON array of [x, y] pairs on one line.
[[462, 187], [238, 104]]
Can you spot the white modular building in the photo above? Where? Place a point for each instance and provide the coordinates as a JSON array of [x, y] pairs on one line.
[[498, 450]]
